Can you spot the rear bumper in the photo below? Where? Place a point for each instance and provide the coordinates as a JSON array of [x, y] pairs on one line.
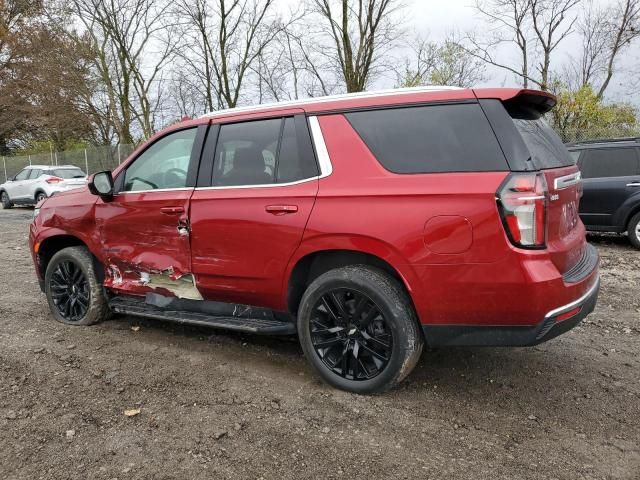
[[553, 324]]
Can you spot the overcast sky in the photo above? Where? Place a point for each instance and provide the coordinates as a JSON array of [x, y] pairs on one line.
[[437, 17]]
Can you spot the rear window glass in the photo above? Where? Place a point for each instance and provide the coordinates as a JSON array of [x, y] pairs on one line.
[[430, 139], [545, 146], [68, 173], [609, 162]]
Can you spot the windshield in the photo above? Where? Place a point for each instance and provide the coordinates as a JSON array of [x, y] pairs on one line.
[[68, 173], [545, 146]]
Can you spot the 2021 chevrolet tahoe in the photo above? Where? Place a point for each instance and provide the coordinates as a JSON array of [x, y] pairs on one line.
[[368, 224]]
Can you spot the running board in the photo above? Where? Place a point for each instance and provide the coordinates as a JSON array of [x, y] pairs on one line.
[[141, 308]]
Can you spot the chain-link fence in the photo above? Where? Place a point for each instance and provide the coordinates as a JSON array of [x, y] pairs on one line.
[[572, 135], [90, 160]]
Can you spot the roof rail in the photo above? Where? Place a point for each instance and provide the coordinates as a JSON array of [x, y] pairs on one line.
[[330, 98]]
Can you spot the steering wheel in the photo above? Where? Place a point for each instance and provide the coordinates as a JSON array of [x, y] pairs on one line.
[[138, 179], [176, 170]]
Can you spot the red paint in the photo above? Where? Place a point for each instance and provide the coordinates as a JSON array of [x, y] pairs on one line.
[[442, 233], [447, 234]]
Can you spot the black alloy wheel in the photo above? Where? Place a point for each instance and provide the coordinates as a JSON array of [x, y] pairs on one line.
[[358, 329], [70, 291], [350, 334]]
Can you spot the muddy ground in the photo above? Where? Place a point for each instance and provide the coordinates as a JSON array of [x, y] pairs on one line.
[[217, 405]]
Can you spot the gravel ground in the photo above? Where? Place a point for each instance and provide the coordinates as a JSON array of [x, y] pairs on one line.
[[219, 405]]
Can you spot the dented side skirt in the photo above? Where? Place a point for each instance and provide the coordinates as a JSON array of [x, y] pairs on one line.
[[210, 307]]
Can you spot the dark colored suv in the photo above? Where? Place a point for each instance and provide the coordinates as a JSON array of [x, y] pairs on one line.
[[367, 224], [611, 182]]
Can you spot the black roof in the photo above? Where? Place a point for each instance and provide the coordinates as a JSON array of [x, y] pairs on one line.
[[608, 142]]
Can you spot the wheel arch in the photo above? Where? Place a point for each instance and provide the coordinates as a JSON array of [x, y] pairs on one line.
[[39, 190], [54, 243], [314, 262], [632, 212]]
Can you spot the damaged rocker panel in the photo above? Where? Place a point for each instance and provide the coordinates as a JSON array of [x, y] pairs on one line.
[[207, 313]]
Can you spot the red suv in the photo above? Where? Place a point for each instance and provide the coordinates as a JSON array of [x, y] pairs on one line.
[[368, 224]]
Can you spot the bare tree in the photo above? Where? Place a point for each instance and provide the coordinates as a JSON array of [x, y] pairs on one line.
[[223, 41], [510, 22], [356, 34], [625, 28], [535, 27], [132, 42], [552, 22]]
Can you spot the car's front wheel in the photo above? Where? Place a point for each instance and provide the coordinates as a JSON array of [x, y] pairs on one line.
[[5, 200], [73, 291], [633, 230], [357, 327]]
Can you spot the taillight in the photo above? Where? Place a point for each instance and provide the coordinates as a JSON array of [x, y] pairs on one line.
[[51, 180], [522, 200]]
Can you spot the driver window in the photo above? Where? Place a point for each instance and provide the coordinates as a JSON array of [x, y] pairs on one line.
[[163, 165], [23, 174]]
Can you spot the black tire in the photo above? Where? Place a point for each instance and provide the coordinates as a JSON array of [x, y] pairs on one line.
[[74, 294], [40, 196], [633, 230], [4, 199], [361, 289]]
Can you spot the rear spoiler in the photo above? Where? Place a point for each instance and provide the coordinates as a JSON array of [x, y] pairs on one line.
[[520, 103]]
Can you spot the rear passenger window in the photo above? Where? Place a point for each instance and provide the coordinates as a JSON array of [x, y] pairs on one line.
[[609, 162], [34, 174], [260, 153], [431, 139], [292, 164]]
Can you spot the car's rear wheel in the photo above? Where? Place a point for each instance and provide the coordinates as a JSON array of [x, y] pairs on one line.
[[357, 327], [40, 196], [4, 199], [74, 294], [634, 230]]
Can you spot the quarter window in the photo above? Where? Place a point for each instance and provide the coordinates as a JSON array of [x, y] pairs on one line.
[[163, 165], [436, 138], [609, 162], [260, 152]]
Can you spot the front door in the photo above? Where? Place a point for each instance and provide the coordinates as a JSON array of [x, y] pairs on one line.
[[144, 228], [249, 216], [17, 188], [609, 176]]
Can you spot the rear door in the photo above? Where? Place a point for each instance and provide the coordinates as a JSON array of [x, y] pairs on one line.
[[610, 175], [31, 183], [256, 188]]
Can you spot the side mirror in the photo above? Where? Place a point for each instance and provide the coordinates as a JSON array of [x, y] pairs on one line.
[[101, 184]]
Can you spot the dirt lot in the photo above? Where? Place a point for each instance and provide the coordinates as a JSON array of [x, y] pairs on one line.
[[219, 405]]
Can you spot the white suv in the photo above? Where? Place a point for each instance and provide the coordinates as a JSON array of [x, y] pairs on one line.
[[37, 182]]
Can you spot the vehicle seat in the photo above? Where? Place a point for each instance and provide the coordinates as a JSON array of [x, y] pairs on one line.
[[248, 168]]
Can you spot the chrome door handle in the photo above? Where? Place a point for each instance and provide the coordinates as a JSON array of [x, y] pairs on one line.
[[281, 209], [172, 210], [633, 184]]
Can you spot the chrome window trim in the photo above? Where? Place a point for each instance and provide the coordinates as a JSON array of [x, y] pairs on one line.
[[322, 154], [324, 161], [125, 192], [263, 185]]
